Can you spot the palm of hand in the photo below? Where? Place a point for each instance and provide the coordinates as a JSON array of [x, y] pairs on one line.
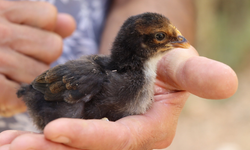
[[181, 70]]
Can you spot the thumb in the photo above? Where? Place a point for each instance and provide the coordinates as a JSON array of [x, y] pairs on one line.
[[87, 134], [183, 69]]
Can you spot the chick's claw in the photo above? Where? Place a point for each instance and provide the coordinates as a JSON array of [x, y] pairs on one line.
[[105, 119]]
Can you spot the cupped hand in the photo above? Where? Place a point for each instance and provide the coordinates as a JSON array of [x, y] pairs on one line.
[[180, 72], [30, 39]]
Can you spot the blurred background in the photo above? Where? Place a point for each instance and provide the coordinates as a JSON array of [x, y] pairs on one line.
[[223, 34]]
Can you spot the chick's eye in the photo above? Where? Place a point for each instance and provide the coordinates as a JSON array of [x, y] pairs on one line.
[[160, 36]]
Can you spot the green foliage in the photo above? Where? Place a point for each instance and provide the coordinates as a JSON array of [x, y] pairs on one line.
[[224, 31]]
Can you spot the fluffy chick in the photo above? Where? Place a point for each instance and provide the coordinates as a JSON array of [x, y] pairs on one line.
[[115, 86]]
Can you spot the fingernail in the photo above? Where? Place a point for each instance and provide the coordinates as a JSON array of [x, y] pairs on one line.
[[62, 139]]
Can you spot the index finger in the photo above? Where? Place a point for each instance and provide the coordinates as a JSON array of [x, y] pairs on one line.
[[183, 69], [37, 14], [91, 134], [6, 137], [156, 128]]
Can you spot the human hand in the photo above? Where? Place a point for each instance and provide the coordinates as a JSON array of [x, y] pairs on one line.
[[31, 38], [181, 71]]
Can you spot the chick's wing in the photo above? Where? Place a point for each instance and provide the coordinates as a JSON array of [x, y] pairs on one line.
[[77, 80]]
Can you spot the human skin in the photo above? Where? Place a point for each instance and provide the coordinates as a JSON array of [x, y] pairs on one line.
[[180, 73], [23, 55], [155, 129]]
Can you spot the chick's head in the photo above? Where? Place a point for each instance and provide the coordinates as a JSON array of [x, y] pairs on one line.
[[149, 34]]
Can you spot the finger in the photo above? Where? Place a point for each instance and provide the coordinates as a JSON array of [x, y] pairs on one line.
[[88, 134], [36, 141], [18, 67], [9, 103], [65, 25], [37, 14], [132, 132], [184, 70], [166, 109], [5, 147], [39, 44], [156, 129], [6, 137]]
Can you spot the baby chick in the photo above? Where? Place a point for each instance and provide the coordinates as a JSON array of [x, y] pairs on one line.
[[115, 86]]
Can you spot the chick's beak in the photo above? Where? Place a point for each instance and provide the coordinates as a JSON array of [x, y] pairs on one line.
[[180, 43]]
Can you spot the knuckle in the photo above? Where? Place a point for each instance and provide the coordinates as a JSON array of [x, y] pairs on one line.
[[142, 144], [146, 141], [125, 141], [2, 80], [165, 144], [56, 43], [50, 13], [5, 62], [6, 132], [131, 141], [2, 3], [39, 13], [165, 140], [49, 8], [5, 32], [2, 62], [11, 10]]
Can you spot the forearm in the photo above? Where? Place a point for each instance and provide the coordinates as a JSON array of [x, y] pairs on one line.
[[180, 12]]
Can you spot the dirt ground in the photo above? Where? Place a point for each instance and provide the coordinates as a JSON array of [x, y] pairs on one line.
[[216, 125]]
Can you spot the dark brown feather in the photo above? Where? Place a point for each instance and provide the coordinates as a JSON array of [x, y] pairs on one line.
[[94, 87]]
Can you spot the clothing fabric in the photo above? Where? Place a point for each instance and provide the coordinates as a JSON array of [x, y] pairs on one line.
[[90, 17]]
